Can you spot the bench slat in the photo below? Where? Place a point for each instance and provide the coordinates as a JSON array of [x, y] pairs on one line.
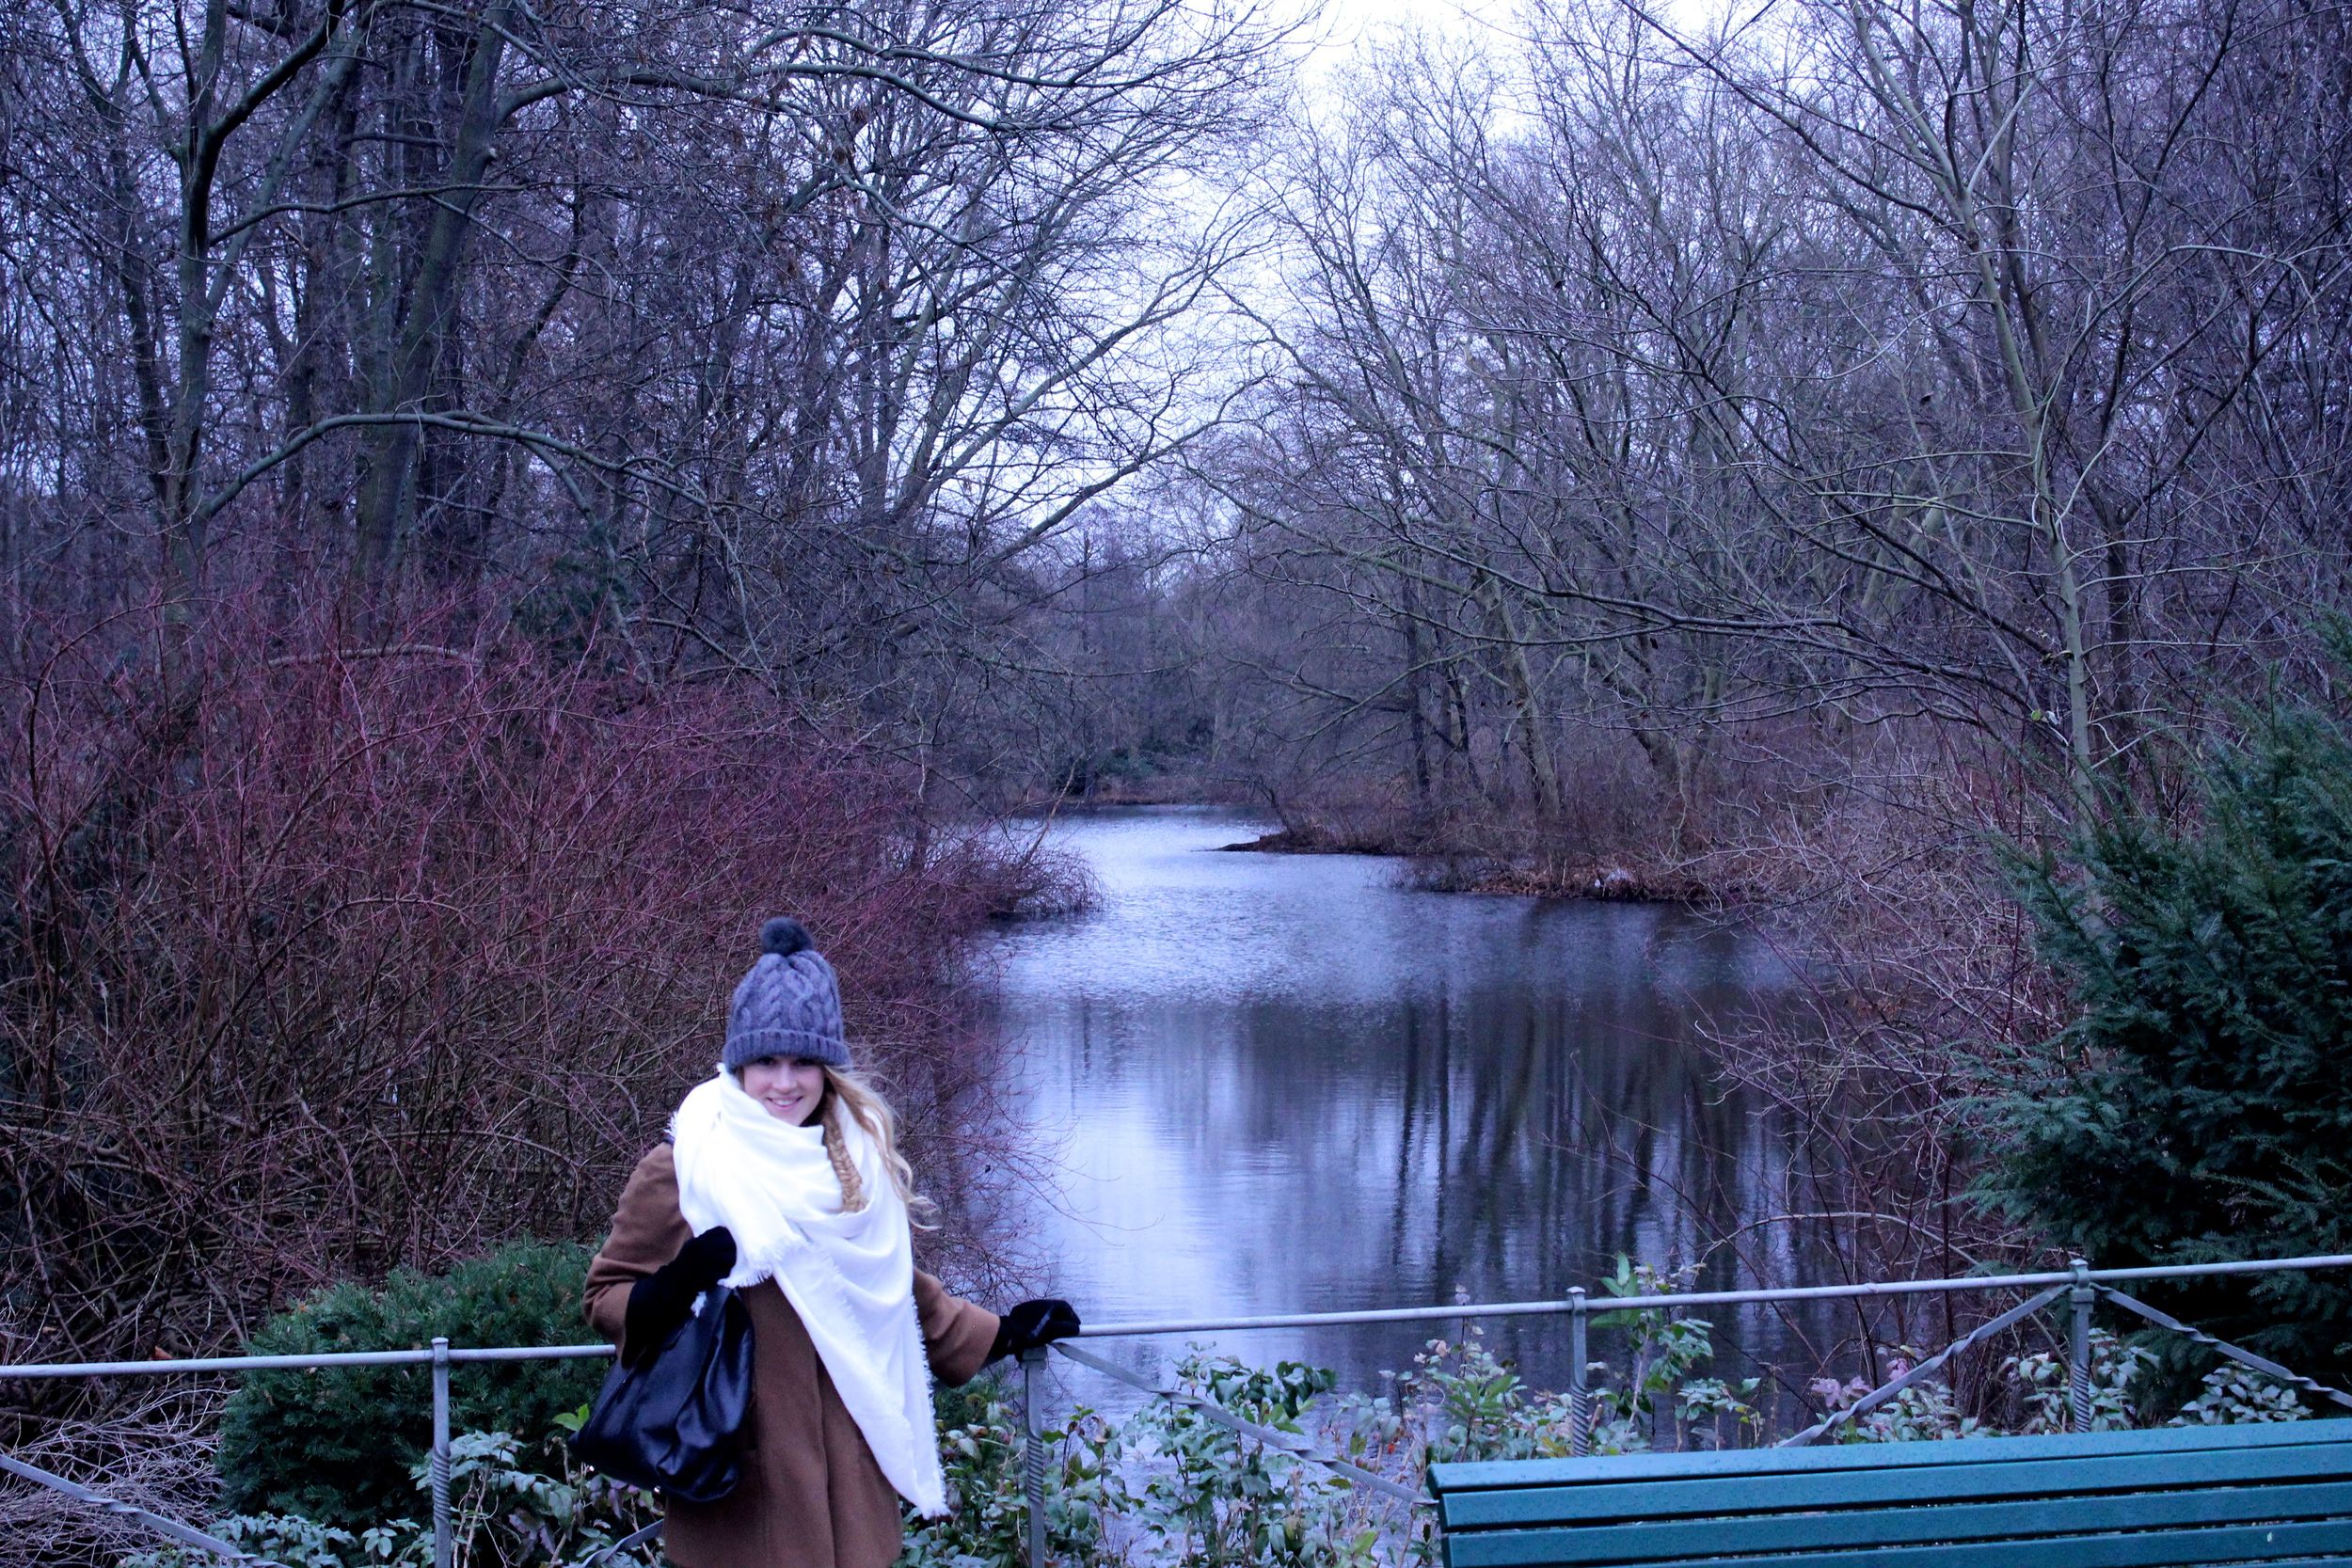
[[1674, 1497], [1684, 1542], [2322, 1542], [1499, 1474]]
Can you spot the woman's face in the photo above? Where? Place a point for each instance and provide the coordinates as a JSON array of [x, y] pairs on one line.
[[788, 1086]]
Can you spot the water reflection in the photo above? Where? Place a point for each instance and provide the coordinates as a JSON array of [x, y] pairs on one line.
[[1288, 1084]]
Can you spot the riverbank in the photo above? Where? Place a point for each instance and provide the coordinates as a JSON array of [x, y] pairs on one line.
[[1476, 871], [1605, 844], [1461, 857], [1610, 839]]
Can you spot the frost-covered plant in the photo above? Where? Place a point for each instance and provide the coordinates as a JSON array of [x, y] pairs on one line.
[[506, 1511], [509, 1515], [2041, 1381], [1476, 1406], [2235, 1394], [989, 1512], [1481, 1410], [1217, 1498], [1658, 1396], [1925, 1411], [292, 1542]]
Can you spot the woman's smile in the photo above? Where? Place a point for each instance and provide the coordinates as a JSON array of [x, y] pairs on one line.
[[786, 1085]]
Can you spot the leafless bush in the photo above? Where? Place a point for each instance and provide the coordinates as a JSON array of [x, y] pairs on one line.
[[329, 957], [151, 1449], [1916, 981]]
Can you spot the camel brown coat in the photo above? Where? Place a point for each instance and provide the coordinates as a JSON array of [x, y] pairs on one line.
[[811, 1496]]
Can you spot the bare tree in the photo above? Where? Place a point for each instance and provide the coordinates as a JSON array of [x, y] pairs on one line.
[[1839, 364]]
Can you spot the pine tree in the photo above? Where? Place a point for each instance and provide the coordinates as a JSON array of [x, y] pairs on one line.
[[2204, 1110]]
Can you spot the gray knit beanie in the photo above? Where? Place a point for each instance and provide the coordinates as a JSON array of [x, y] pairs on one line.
[[790, 1005]]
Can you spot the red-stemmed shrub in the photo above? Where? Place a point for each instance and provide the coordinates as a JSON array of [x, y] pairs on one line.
[[320, 958]]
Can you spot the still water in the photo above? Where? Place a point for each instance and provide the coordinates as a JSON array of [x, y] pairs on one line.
[[1289, 1083]]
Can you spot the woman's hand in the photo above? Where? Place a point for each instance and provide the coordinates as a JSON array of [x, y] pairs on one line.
[[1033, 1323], [661, 1301]]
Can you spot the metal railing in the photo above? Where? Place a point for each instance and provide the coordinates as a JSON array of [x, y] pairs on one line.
[[2081, 1285]]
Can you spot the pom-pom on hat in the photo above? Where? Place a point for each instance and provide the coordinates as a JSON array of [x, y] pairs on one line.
[[790, 1005]]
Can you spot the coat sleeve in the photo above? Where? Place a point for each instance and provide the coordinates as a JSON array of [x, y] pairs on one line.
[[956, 1334], [647, 1232]]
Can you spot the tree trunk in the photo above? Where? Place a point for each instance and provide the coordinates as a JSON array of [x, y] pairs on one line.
[[387, 494], [1540, 772]]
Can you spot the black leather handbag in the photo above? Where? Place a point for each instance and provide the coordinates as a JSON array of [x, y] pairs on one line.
[[675, 1420]]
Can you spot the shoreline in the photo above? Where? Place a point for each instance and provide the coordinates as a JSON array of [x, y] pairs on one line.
[[1439, 864], [1589, 879]]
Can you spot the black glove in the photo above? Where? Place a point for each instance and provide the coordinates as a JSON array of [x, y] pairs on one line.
[[1033, 1323], [661, 1301]]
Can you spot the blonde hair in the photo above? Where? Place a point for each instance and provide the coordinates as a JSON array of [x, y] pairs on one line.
[[856, 1095]]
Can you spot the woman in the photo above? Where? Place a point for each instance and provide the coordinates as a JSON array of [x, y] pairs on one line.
[[782, 1179]]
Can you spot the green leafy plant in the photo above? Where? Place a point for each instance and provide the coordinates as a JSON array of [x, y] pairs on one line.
[[1482, 1409], [988, 1522], [336, 1445], [512, 1505], [1723, 1410], [1657, 1392]]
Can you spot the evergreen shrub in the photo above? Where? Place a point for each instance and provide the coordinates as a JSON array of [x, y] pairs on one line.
[[336, 1445], [2200, 1109]]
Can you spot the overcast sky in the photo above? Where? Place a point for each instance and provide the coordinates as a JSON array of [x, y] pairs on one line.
[[1348, 26]]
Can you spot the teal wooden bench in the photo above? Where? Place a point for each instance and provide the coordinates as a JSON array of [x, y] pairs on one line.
[[2276, 1494]]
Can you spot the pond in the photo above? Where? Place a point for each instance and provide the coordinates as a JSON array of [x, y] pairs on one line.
[[1268, 1083]]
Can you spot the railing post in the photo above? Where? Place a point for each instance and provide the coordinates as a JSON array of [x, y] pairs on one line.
[[444, 1549], [1579, 1397], [2078, 1348], [1033, 1449]]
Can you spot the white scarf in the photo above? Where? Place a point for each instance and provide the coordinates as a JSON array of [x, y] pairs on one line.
[[849, 1276]]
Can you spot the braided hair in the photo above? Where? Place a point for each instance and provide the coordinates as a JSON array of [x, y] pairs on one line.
[[853, 1094], [837, 1151]]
